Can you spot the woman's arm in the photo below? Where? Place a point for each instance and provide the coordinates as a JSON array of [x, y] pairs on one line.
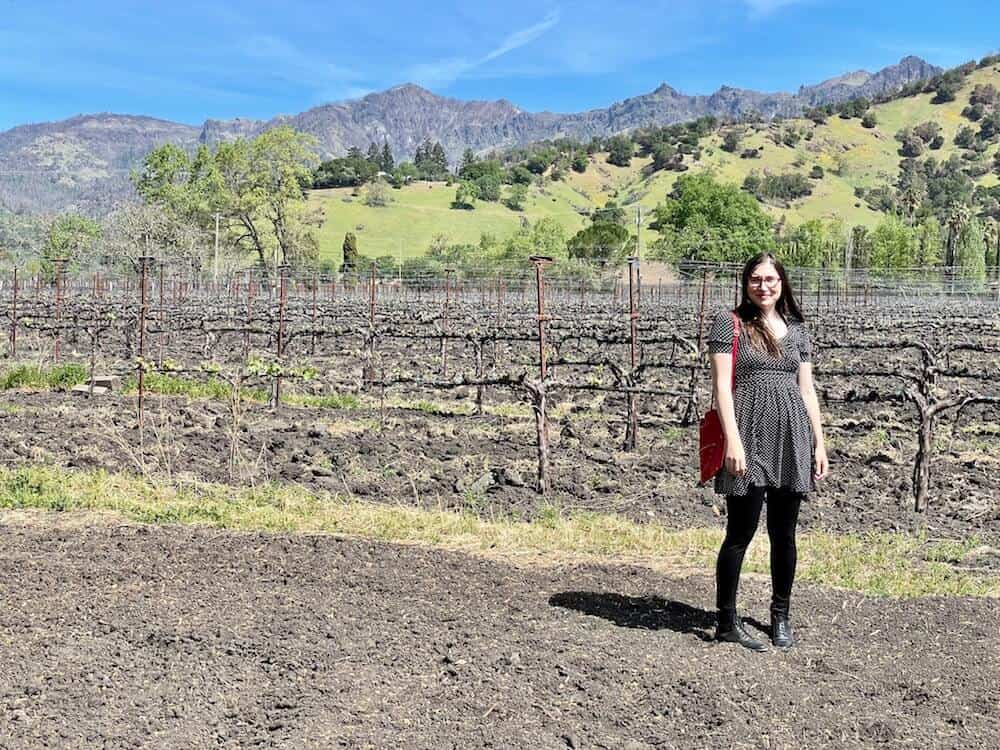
[[808, 390], [722, 368]]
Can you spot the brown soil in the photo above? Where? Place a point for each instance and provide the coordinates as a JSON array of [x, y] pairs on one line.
[[435, 460], [123, 636]]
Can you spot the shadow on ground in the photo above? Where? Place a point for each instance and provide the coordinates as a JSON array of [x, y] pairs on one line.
[[648, 612]]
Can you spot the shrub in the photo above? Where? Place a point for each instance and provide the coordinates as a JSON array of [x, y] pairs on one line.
[[787, 186]]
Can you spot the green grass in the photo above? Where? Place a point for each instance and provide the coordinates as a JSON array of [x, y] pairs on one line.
[[422, 211], [217, 388], [874, 563], [59, 377], [174, 385], [165, 384], [328, 401]]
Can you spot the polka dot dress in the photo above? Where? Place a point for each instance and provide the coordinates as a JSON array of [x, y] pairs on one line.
[[770, 413]]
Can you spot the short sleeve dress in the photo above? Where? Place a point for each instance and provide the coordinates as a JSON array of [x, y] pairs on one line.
[[770, 413]]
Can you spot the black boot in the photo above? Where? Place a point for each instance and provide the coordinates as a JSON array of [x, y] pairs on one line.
[[781, 629], [731, 629]]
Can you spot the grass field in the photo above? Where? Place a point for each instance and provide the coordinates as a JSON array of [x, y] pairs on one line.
[[874, 563], [850, 155]]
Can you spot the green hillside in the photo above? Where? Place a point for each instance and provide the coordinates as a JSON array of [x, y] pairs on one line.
[[850, 155]]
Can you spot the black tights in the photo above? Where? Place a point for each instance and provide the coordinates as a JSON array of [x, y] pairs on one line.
[[743, 515]]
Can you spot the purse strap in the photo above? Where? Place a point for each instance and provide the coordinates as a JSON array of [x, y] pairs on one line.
[[735, 352]]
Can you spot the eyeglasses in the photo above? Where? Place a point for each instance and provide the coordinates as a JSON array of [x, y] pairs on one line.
[[768, 281]]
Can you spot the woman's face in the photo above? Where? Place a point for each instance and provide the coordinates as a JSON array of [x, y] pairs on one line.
[[764, 286]]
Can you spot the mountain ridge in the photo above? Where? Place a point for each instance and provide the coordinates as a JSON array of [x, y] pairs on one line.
[[82, 163]]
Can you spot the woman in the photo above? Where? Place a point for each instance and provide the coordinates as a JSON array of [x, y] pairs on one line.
[[774, 438]]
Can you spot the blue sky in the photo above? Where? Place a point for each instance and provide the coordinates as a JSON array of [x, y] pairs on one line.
[[188, 61]]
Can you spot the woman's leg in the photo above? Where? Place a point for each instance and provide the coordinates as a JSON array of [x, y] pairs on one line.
[[782, 518], [742, 517]]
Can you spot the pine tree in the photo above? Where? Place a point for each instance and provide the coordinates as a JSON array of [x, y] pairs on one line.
[[387, 162], [374, 155], [439, 159], [468, 159], [350, 249], [423, 155]]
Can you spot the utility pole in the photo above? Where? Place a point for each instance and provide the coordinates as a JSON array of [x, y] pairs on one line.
[[638, 232], [638, 252], [215, 272]]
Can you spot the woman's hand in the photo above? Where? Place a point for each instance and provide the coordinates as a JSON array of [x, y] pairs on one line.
[[821, 464], [736, 461]]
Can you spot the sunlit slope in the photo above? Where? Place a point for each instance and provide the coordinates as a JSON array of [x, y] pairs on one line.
[[421, 211], [851, 157]]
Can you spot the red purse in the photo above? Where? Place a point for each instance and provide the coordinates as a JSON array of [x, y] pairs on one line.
[[711, 439]]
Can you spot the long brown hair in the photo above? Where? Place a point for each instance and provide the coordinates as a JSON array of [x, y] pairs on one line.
[[786, 306]]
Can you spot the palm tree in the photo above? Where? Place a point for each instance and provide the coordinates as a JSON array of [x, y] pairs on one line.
[[957, 219], [991, 235]]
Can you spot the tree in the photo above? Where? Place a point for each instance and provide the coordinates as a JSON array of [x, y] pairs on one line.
[[893, 245], [731, 140], [538, 162], [132, 230], [788, 186], [431, 161], [965, 137], [374, 155], [912, 145], [439, 159], [545, 237], [348, 171], [985, 94], [579, 163], [516, 197], [958, 218], [468, 159], [706, 220], [991, 236], [610, 213], [664, 156], [257, 186], [989, 127], [970, 250], [927, 131], [603, 241], [466, 195], [929, 243], [387, 163], [869, 120], [70, 237], [947, 90], [911, 198], [21, 237], [350, 251], [489, 187], [282, 159], [404, 173], [805, 246], [520, 175], [377, 194], [620, 150]]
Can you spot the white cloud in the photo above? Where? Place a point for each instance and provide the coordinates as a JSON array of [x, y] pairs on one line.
[[522, 37], [447, 70]]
